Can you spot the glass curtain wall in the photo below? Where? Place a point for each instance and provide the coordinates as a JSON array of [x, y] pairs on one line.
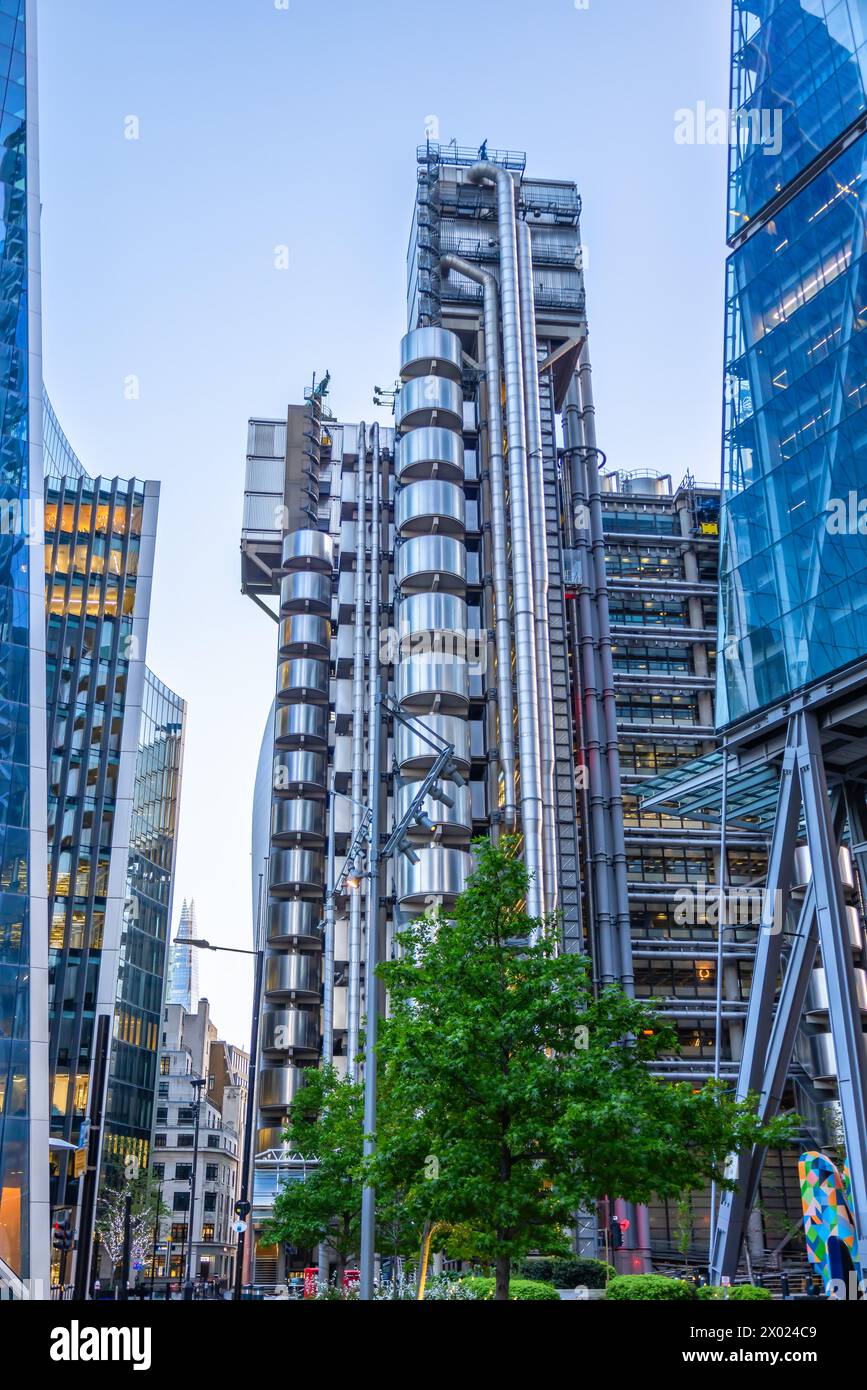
[[794, 560], [20, 548]]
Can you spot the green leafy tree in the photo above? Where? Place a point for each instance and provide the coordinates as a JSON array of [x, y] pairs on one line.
[[326, 1127], [515, 1097]]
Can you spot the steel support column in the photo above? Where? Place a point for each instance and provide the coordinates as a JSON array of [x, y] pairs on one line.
[[845, 1016], [770, 1036], [730, 1221]]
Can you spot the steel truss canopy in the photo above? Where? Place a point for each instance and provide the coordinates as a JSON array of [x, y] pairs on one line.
[[754, 758]]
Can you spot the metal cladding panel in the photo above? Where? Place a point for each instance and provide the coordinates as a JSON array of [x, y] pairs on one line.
[[412, 750], [431, 400], [261, 512], [303, 678], [430, 452], [426, 682], [297, 871], [294, 923], [294, 973], [428, 351], [298, 771], [426, 562], [278, 1086], [305, 591], [423, 508], [308, 550], [264, 475], [301, 726], [817, 992], [439, 876], [297, 819]]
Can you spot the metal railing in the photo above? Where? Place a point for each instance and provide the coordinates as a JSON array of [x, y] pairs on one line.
[[434, 152]]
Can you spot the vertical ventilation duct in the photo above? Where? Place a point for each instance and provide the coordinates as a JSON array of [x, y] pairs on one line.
[[539, 550], [522, 577], [353, 1000], [374, 715], [502, 624], [600, 859], [606, 670]]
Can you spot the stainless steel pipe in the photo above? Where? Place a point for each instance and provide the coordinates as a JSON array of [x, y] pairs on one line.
[[539, 552], [502, 623], [353, 998], [606, 671], [600, 867], [522, 577]]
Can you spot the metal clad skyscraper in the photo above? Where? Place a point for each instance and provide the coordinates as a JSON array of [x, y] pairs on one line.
[[405, 567]]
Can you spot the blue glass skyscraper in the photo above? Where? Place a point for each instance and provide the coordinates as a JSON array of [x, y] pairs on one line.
[[792, 671], [182, 986], [24, 1136], [794, 558]]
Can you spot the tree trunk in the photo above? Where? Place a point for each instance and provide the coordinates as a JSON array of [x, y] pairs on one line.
[[341, 1251], [503, 1271]]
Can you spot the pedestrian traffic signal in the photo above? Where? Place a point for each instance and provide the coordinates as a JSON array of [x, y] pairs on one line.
[[619, 1227], [62, 1235]]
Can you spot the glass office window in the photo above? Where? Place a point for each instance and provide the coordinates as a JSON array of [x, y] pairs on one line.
[[798, 81], [794, 555]]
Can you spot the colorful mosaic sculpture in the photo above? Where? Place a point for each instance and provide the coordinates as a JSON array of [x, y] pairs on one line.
[[828, 1220]]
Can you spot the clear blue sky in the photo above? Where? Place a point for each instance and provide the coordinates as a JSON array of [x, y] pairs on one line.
[[262, 127]]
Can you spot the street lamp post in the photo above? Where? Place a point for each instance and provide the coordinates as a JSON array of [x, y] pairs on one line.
[[157, 1218], [197, 1082], [247, 1156], [443, 765]]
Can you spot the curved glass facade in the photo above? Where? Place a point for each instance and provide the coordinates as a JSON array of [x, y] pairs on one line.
[[794, 541], [59, 458], [145, 934], [799, 76]]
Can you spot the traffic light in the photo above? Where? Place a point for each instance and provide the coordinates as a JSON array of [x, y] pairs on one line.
[[62, 1234], [242, 1209], [619, 1227]]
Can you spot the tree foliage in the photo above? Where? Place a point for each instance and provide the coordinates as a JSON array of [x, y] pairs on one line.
[[516, 1097], [326, 1127]]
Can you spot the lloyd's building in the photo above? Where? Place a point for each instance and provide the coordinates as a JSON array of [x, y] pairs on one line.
[[792, 656]]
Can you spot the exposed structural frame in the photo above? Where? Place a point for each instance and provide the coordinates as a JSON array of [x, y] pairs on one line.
[[769, 1036], [607, 883]]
